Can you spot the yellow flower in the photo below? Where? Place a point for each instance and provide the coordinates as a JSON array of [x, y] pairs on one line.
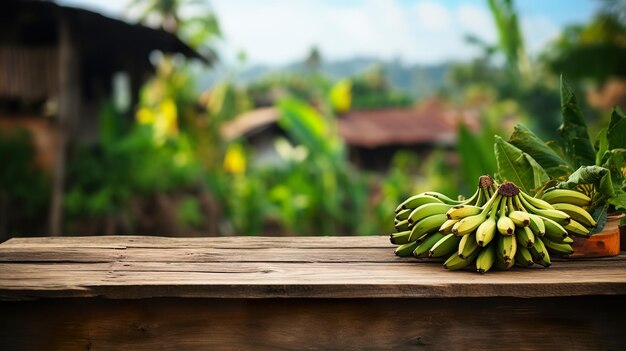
[[235, 159], [340, 96]]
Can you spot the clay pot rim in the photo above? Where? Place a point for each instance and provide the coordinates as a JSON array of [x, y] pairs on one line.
[[615, 215]]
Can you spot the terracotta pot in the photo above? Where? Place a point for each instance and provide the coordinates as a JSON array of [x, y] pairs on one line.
[[622, 239], [603, 244]]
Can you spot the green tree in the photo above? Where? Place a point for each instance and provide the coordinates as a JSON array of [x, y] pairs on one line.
[[199, 30], [595, 51]]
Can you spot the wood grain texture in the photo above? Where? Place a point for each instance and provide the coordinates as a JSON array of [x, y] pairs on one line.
[[574, 323], [258, 267]]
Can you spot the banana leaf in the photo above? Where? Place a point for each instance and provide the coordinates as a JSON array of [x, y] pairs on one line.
[[305, 125], [616, 132], [600, 177], [552, 163], [601, 145], [574, 132], [615, 161], [519, 167], [476, 156]]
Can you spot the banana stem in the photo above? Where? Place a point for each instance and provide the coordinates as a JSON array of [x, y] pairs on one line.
[[489, 204], [527, 204], [519, 204], [494, 207], [503, 207], [473, 198]]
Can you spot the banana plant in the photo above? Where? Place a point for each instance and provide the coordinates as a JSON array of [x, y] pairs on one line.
[[571, 162]]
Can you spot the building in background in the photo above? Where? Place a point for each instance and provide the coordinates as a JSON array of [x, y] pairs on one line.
[[57, 66]]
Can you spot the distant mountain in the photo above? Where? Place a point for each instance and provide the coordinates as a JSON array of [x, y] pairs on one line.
[[415, 80]]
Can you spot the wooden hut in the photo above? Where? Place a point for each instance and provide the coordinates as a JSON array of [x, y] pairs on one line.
[[56, 70]]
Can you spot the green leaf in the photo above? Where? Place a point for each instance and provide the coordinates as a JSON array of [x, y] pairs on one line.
[[616, 133], [519, 167], [599, 215], [585, 175], [305, 125], [602, 145], [476, 157], [618, 200], [574, 129], [615, 161], [600, 177], [527, 141]]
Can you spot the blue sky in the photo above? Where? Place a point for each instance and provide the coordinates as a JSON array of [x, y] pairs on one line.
[[415, 31]]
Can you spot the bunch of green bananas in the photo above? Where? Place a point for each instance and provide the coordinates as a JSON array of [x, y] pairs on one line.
[[499, 226], [422, 220]]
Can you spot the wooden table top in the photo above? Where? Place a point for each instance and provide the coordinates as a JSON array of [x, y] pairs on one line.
[[271, 267]]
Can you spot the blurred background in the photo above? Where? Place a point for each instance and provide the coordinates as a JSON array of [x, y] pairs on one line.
[[198, 118]]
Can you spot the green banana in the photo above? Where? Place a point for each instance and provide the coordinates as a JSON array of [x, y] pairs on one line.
[[462, 211], [446, 227], [400, 238], [427, 210], [535, 202], [482, 197], [577, 213], [566, 196], [427, 225], [486, 258], [543, 258], [406, 249], [403, 225], [487, 229], [525, 237], [577, 229], [555, 215], [501, 263], [504, 224], [444, 198], [568, 240], [558, 248], [523, 257], [402, 215], [456, 262], [467, 245], [537, 225], [469, 224], [553, 229], [507, 246], [422, 250], [538, 251], [519, 218], [416, 201], [445, 246], [544, 261]]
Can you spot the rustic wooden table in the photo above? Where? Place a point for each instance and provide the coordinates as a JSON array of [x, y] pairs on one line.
[[147, 293]]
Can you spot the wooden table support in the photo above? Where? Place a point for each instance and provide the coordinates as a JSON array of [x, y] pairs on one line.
[[348, 293]]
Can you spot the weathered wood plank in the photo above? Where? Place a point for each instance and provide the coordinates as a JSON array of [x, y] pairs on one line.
[[87, 255], [235, 242], [589, 323], [140, 267], [281, 279]]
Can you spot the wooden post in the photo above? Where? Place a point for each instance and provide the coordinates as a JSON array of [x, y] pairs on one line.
[[69, 95]]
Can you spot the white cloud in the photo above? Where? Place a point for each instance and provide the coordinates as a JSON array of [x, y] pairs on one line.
[[476, 21], [432, 16], [424, 31], [537, 32], [282, 31]]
